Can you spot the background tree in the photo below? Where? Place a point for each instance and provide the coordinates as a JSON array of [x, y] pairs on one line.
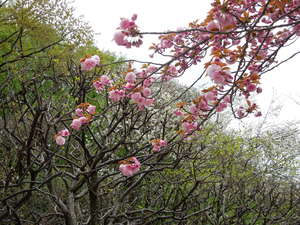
[[38, 29]]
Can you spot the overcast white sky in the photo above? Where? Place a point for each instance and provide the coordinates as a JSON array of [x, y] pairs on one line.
[[162, 15]]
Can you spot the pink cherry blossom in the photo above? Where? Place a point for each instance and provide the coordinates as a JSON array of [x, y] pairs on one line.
[[177, 112], [156, 147], [240, 113], [127, 33], [130, 168], [212, 25], [275, 15], [225, 19], [130, 77], [60, 140], [119, 38], [259, 90], [202, 105], [189, 127], [91, 109], [247, 81], [124, 24], [98, 85], [105, 79], [136, 166], [114, 95], [65, 133], [96, 59], [193, 110], [125, 169], [218, 78], [236, 42], [211, 96], [257, 114], [217, 75], [264, 20], [251, 87], [126, 43], [151, 68], [149, 102], [136, 96], [121, 93], [134, 17], [128, 86], [221, 107], [158, 143], [166, 43], [141, 107], [172, 69], [83, 120], [227, 99], [147, 82], [163, 142], [137, 43], [76, 124], [212, 69], [227, 75], [141, 101], [131, 24], [59, 137], [146, 92], [215, 48], [79, 112], [89, 64]]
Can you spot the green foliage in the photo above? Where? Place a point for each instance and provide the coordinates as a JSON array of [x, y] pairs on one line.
[[31, 31]]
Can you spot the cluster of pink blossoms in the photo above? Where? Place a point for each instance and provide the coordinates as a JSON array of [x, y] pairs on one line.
[[100, 82], [250, 86], [84, 112], [59, 137], [170, 73], [130, 166], [139, 93], [200, 107], [116, 95], [158, 143], [217, 75], [82, 118], [128, 29], [223, 45], [189, 127], [251, 107], [89, 63], [230, 18]]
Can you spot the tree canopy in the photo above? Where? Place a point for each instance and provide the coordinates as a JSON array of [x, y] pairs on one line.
[[47, 27]]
